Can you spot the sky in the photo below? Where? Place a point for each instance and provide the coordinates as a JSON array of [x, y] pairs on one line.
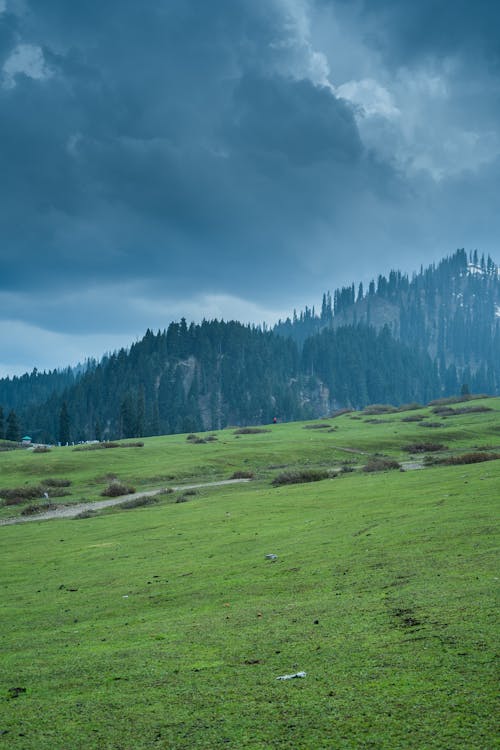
[[232, 158]]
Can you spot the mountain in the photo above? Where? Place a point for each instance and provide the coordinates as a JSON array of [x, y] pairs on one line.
[[451, 311], [404, 340]]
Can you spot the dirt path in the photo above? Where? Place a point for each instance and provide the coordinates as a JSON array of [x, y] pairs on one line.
[[412, 465], [70, 511]]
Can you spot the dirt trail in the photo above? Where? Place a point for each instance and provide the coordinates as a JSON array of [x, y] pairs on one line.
[[70, 511], [412, 465]]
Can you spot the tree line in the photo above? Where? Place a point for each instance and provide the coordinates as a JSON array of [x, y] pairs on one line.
[[206, 376]]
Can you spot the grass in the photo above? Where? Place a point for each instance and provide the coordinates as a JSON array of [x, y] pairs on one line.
[[164, 626], [173, 459]]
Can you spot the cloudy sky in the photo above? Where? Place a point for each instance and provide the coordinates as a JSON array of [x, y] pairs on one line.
[[232, 158]]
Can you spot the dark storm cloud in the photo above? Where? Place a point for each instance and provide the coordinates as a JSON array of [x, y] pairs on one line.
[[237, 156], [404, 30], [161, 137]]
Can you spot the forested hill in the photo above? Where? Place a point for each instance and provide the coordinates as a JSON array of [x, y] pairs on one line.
[[451, 311], [206, 376]]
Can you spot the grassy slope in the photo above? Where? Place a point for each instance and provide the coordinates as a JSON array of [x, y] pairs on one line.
[[383, 592], [172, 459]]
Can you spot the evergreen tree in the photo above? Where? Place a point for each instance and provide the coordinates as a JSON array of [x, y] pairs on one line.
[[13, 431], [141, 413], [127, 418], [208, 375], [2, 427], [64, 425]]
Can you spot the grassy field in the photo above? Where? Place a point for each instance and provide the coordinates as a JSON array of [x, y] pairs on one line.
[[163, 461], [166, 626]]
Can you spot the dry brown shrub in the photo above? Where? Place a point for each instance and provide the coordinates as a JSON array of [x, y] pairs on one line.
[[381, 464], [250, 430], [301, 476], [242, 475], [115, 489]]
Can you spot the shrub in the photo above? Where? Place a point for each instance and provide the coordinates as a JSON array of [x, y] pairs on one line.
[[431, 424], [211, 438], [14, 501], [413, 418], [96, 446], [41, 449], [250, 430], [381, 464], [379, 409], [448, 400], [31, 510], [196, 439], [339, 412], [108, 444], [56, 482], [8, 445], [19, 494], [315, 426], [242, 475], [115, 489], [447, 411], [469, 458], [182, 498], [301, 476], [375, 421], [472, 409], [424, 447], [347, 468], [409, 407], [443, 411], [458, 399]]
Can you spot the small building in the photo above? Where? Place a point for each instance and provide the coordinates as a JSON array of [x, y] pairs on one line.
[[26, 440]]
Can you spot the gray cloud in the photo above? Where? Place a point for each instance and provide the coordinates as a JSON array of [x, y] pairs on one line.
[[239, 155], [403, 30]]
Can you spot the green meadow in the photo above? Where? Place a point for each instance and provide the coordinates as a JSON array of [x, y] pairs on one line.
[[167, 627]]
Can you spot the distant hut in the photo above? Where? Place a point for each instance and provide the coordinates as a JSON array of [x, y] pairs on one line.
[[26, 440]]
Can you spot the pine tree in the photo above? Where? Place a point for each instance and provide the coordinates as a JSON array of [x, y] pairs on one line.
[[2, 428], [141, 413], [127, 418], [13, 431], [64, 425]]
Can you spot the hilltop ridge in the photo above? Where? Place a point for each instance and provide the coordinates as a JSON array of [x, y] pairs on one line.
[[403, 340]]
